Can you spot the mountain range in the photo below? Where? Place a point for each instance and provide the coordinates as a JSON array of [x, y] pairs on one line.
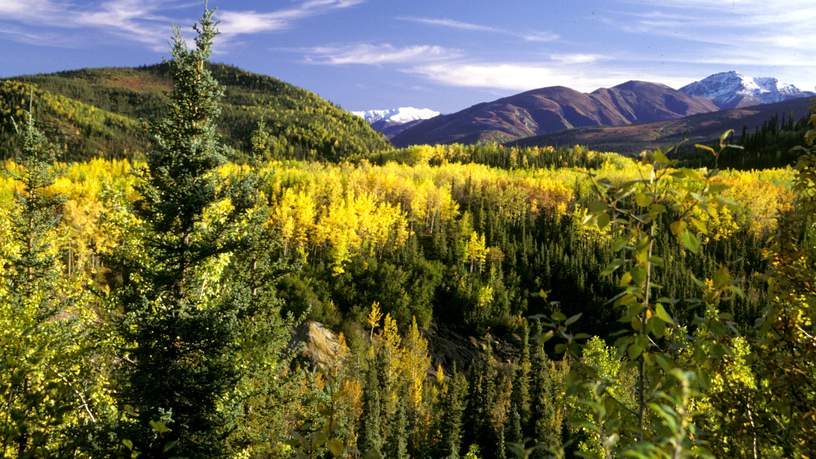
[[392, 121], [550, 110], [702, 128]]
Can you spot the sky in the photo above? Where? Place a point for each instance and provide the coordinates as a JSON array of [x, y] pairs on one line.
[[441, 54]]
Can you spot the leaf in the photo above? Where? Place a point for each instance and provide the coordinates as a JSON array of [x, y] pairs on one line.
[[642, 199], [597, 206], [634, 351], [558, 316], [159, 427], [335, 446], [602, 220], [573, 319], [722, 277], [661, 314], [678, 227], [661, 158], [128, 444], [170, 445], [546, 336], [690, 241], [725, 135], [705, 148], [625, 280]]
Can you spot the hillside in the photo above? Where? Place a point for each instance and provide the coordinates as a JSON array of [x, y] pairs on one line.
[[95, 112], [554, 109], [693, 129]]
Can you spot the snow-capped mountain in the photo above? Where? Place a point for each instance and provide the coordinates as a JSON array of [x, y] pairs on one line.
[[392, 121], [397, 115], [733, 89]]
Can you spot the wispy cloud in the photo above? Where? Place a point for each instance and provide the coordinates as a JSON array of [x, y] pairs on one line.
[[577, 58], [450, 24], [377, 54], [144, 21], [249, 22], [755, 30], [522, 76], [453, 67], [469, 26]]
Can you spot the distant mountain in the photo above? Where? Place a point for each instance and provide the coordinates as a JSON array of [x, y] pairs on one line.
[[392, 121], [98, 112], [701, 128], [733, 90], [554, 109]]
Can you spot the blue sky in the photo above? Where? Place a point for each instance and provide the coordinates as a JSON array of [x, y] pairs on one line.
[[440, 54]]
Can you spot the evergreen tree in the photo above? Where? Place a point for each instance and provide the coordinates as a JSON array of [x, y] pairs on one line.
[[41, 327], [371, 442], [181, 326], [451, 415], [546, 414], [521, 382], [398, 442]]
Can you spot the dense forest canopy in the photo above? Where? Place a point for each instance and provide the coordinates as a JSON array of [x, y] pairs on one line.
[[293, 287]]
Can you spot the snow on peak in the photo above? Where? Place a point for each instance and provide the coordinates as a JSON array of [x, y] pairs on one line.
[[734, 89], [399, 115]]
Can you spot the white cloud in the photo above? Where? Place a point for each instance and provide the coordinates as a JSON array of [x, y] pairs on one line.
[[576, 58], [142, 21], [449, 23], [520, 76], [371, 54], [735, 24], [248, 22], [469, 26]]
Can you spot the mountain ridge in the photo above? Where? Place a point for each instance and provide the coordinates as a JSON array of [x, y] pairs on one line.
[[553, 109], [700, 128], [301, 123]]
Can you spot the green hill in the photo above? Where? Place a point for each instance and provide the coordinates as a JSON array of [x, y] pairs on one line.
[[101, 112]]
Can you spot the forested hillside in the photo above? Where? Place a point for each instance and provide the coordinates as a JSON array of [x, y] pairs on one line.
[[101, 112], [434, 301]]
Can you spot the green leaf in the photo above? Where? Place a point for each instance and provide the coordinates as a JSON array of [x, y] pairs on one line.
[[546, 336], [661, 314], [705, 148], [634, 351], [725, 135], [690, 241], [558, 316], [602, 220], [573, 319], [625, 280], [170, 445], [128, 444], [722, 277], [597, 206], [660, 157], [642, 199], [159, 427], [678, 227], [335, 447]]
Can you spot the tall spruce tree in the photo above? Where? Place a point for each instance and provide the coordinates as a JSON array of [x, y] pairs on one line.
[[181, 323], [371, 442], [452, 410], [398, 442]]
